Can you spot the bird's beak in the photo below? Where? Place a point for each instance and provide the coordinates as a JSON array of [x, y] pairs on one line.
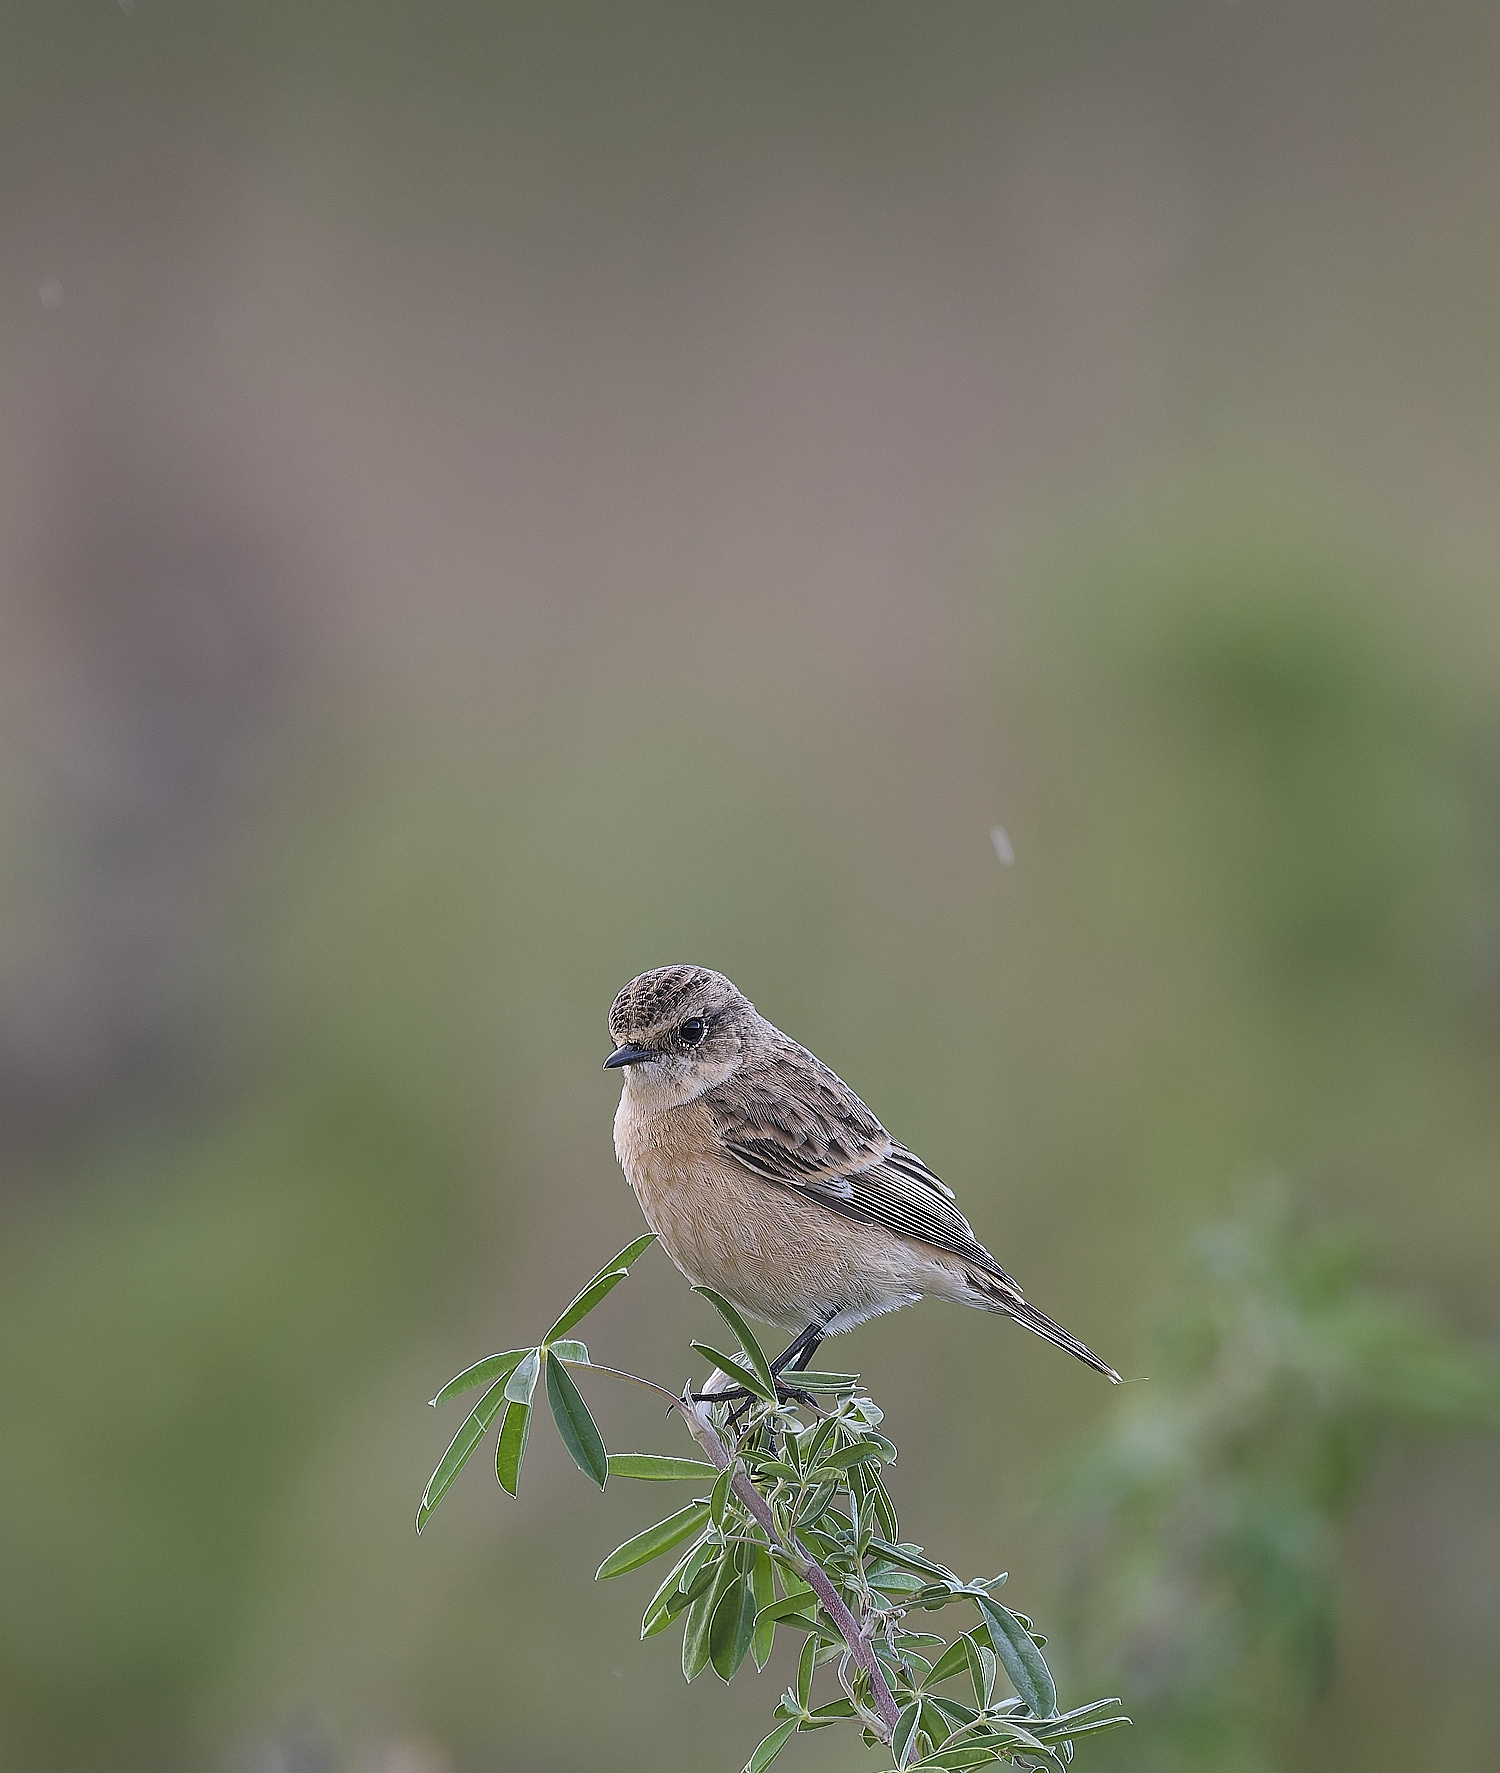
[[627, 1056]]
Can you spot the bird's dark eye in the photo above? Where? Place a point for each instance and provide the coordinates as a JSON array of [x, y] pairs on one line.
[[692, 1031]]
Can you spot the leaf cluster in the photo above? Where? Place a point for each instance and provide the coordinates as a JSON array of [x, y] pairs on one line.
[[795, 1531]]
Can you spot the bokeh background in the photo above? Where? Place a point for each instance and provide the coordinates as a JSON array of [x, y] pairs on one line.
[[497, 497]]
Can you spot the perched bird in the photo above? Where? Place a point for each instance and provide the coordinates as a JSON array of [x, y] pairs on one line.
[[766, 1177]]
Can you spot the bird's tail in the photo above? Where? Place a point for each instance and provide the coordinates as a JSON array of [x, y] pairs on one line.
[[1026, 1313], [1001, 1298]]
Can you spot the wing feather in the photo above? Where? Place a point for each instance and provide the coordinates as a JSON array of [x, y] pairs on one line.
[[798, 1124]]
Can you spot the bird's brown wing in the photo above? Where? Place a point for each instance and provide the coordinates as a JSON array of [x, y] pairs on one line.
[[798, 1124]]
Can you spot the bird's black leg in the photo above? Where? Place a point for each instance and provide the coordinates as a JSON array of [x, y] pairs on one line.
[[797, 1354], [793, 1358]]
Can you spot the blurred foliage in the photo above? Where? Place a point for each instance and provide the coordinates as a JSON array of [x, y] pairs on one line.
[[1208, 1550]]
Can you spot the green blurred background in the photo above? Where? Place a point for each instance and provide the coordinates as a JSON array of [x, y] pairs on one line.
[[495, 498]]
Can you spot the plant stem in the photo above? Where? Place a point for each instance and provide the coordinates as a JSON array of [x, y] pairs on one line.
[[703, 1431], [811, 1571]]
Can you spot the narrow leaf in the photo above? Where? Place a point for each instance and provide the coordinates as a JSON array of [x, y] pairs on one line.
[[950, 1760], [521, 1384], [885, 1509], [952, 1709], [910, 1559], [795, 1609], [861, 1453], [823, 1381], [981, 1671], [674, 1596], [654, 1541], [471, 1432], [667, 1589], [574, 1423], [485, 1372], [730, 1629], [1073, 1730], [771, 1747], [805, 1672], [1084, 1711], [576, 1354], [953, 1661], [718, 1500], [700, 1616], [733, 1370], [1023, 1662], [510, 1450], [905, 1732], [935, 1724], [658, 1467], [695, 1561], [604, 1282], [763, 1585], [754, 1353]]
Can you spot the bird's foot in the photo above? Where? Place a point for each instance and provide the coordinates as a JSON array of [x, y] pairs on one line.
[[736, 1394]]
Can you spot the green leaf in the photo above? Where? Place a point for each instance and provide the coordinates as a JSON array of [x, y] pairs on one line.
[[754, 1353], [763, 1585], [695, 1640], [861, 1453], [471, 1432], [731, 1628], [1071, 1730], [794, 1609], [981, 1670], [603, 1283], [521, 1384], [718, 1500], [574, 1423], [771, 1747], [823, 1381], [890, 1580], [805, 1672], [675, 1595], [822, 1435], [937, 1727], [511, 1447], [1023, 1662], [576, 1354], [668, 1588], [733, 1370], [654, 1541], [815, 1505], [904, 1736], [1082, 1711], [952, 1709], [657, 1467], [953, 1661], [485, 1372], [910, 1558], [765, 1467], [885, 1509], [693, 1563], [970, 1755]]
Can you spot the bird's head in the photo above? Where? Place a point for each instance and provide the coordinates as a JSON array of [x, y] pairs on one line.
[[679, 1030]]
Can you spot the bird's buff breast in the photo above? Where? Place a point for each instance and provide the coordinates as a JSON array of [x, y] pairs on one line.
[[784, 1259]]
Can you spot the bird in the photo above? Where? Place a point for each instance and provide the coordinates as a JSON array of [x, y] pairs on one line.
[[766, 1179]]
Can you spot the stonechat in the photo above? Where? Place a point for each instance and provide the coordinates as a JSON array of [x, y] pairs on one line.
[[766, 1178]]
